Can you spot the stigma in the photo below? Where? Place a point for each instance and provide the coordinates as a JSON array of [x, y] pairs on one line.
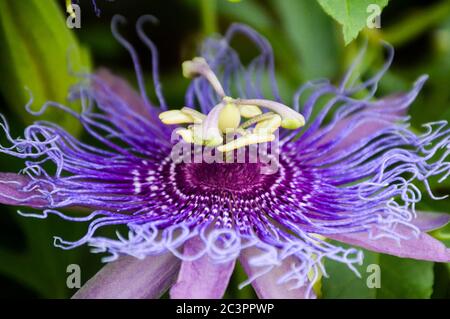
[[233, 123]]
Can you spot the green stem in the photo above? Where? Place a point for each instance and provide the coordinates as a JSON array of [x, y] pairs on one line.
[[209, 16]]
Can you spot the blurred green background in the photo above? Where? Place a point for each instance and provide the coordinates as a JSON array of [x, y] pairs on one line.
[[308, 44]]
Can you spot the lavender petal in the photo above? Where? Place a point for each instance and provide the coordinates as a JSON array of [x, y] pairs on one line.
[[268, 286], [132, 278], [201, 278], [117, 85], [431, 221], [13, 191], [423, 247]]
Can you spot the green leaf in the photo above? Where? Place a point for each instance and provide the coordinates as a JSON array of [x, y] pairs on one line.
[[342, 283], [416, 23], [41, 266], [17, 267], [246, 11], [400, 278], [239, 276], [36, 49], [441, 288], [405, 278], [351, 14], [311, 35]]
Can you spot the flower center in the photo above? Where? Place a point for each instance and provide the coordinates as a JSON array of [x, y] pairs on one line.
[[218, 178], [222, 127]]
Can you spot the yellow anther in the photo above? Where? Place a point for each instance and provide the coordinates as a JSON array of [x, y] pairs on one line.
[[186, 135], [212, 140], [211, 137], [229, 118], [249, 111], [291, 119], [244, 141], [175, 117], [196, 115], [292, 123], [199, 66], [256, 119], [268, 126], [192, 68]]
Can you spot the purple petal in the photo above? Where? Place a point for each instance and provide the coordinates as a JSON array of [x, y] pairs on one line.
[[13, 192], [430, 221], [380, 115], [122, 89], [201, 278], [132, 278], [267, 286], [423, 247]]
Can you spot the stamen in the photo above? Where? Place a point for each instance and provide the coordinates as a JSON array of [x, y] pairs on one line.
[[256, 119], [271, 125], [246, 140], [290, 119], [186, 134], [176, 117], [249, 111], [198, 136], [210, 133], [196, 115], [225, 118], [199, 66]]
